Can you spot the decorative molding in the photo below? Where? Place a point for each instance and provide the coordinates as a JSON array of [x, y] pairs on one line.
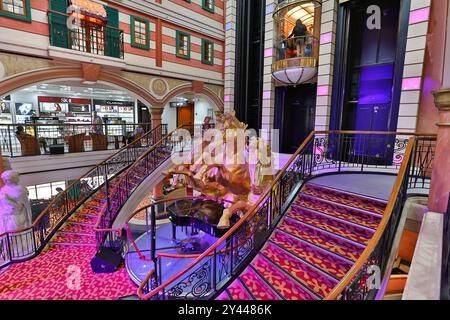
[[136, 83], [159, 87], [91, 72], [197, 86], [442, 99], [2, 70]]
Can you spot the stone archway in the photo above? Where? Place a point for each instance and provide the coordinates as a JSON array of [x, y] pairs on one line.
[[208, 94], [29, 78]]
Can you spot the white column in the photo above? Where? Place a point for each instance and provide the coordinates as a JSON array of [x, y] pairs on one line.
[[268, 99], [326, 64], [414, 65], [230, 51]]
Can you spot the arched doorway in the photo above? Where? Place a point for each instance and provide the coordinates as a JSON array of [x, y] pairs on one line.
[[75, 73]]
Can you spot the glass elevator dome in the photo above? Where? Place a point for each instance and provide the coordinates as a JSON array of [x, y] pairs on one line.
[[297, 31]]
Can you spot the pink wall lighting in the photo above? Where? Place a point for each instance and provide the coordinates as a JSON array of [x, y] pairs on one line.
[[266, 95], [268, 52], [411, 83], [227, 62], [326, 38], [420, 15], [322, 90], [227, 98]]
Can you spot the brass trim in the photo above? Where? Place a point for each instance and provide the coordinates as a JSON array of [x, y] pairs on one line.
[[289, 3], [443, 124], [300, 62], [442, 99]]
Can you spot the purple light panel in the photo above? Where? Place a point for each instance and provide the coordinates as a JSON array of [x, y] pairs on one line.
[[326, 38], [269, 9], [322, 90], [411, 83], [420, 15]]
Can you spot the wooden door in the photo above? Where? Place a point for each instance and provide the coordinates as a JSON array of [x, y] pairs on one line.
[[185, 116]]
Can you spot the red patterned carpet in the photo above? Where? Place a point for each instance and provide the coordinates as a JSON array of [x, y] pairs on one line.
[[312, 248], [62, 271]]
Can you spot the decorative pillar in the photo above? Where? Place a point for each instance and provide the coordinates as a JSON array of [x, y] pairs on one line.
[[156, 114], [440, 182]]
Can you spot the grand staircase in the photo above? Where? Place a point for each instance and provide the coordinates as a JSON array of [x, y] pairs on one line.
[[312, 248], [62, 270]]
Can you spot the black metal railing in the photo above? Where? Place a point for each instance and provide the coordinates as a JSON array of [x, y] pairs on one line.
[[119, 190], [321, 153], [17, 140], [297, 47], [422, 164], [87, 36], [445, 269], [20, 245]]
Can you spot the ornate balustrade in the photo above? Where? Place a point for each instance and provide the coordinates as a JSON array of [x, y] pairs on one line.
[[321, 153], [24, 244]]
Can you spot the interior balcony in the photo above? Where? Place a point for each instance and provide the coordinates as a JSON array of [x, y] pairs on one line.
[[296, 50]]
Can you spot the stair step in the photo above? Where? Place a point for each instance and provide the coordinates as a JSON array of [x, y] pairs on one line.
[[324, 260], [334, 244], [225, 295], [309, 276], [289, 288], [58, 243], [67, 237], [329, 224], [86, 209], [341, 205], [84, 218], [237, 291], [78, 227], [259, 289], [347, 198], [346, 213]]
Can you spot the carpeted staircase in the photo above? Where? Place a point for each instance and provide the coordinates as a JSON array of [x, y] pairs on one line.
[[312, 248], [62, 270]]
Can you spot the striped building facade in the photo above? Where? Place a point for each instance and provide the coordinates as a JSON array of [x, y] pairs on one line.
[[201, 21]]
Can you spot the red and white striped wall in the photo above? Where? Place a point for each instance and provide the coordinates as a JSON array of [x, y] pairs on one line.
[[165, 17]]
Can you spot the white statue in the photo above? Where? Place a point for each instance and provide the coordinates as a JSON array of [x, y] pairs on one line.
[[15, 210]]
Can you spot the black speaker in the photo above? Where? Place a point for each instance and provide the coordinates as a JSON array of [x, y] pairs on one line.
[[57, 149], [106, 261]]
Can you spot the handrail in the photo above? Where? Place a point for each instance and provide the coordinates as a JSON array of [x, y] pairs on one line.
[[241, 221], [64, 197], [445, 264], [60, 195], [97, 228], [38, 136], [337, 290], [156, 203], [304, 158]]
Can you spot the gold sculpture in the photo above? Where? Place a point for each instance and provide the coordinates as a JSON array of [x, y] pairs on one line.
[[232, 181]]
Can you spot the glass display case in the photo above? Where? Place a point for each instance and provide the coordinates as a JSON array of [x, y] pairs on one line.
[[109, 110], [5, 111], [69, 110]]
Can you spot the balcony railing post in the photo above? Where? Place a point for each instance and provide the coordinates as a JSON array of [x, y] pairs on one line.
[[214, 271], [10, 141], [108, 202]]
